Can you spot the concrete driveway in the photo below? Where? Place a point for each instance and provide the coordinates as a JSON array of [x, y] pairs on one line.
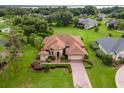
[[119, 78], [80, 77]]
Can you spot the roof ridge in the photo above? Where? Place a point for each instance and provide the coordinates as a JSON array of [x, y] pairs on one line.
[[75, 45]]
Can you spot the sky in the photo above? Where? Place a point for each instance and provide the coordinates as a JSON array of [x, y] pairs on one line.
[[61, 2]]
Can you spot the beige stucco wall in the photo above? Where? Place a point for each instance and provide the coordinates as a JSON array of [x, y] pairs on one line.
[[43, 57], [75, 57], [120, 54]]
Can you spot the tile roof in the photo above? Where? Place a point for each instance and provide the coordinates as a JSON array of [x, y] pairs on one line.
[[112, 45], [58, 42], [55, 43], [43, 52], [75, 49], [88, 21]]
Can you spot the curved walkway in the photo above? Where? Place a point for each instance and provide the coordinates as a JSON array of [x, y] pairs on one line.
[[119, 78]]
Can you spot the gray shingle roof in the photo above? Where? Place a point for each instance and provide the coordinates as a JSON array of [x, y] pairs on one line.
[[112, 45], [87, 21], [101, 15]]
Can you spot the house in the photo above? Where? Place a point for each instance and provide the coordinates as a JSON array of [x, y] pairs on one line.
[[7, 30], [59, 45], [87, 23], [111, 23], [101, 16], [112, 46]]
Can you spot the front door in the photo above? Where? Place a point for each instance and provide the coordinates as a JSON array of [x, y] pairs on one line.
[[58, 55]]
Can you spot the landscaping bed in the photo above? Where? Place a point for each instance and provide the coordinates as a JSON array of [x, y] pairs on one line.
[[53, 66]]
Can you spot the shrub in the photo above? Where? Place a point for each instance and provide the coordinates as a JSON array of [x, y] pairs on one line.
[[46, 68], [88, 63], [82, 38], [122, 36], [99, 53], [50, 58], [110, 35], [94, 46], [36, 66], [63, 58], [107, 59], [86, 57], [96, 29], [121, 60]]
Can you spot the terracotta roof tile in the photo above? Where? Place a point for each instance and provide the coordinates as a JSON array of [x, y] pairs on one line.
[[43, 53], [58, 42], [55, 43], [75, 49]]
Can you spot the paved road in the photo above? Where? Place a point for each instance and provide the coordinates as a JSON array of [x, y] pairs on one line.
[[119, 78], [80, 77]]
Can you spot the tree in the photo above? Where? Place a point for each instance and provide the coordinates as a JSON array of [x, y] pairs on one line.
[[2, 13], [75, 21], [90, 10], [75, 11], [14, 42], [32, 24], [63, 18], [38, 41]]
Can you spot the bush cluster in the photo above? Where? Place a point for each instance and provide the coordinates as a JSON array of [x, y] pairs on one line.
[[88, 63], [52, 66], [50, 58], [99, 53], [94, 46]]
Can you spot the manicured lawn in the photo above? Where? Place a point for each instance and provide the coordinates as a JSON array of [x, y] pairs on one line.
[[100, 75], [19, 74]]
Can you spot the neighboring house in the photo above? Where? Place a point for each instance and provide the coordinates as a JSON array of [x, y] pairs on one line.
[[112, 46], [2, 42], [59, 45], [111, 23], [87, 23], [101, 16], [5, 54], [7, 30]]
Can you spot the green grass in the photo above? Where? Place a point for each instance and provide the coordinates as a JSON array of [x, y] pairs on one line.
[[101, 76], [19, 74]]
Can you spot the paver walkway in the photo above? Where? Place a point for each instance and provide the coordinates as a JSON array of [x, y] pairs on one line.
[[80, 77], [119, 78], [79, 74]]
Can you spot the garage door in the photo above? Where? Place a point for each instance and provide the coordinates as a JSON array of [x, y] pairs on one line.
[[75, 57]]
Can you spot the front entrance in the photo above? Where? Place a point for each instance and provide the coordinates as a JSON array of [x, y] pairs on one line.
[[58, 55]]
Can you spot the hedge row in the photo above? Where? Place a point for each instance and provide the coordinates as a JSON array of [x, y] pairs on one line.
[[52, 66], [88, 63], [99, 53], [94, 46]]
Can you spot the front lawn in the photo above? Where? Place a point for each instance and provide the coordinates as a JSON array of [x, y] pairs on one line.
[[19, 74], [101, 76]]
